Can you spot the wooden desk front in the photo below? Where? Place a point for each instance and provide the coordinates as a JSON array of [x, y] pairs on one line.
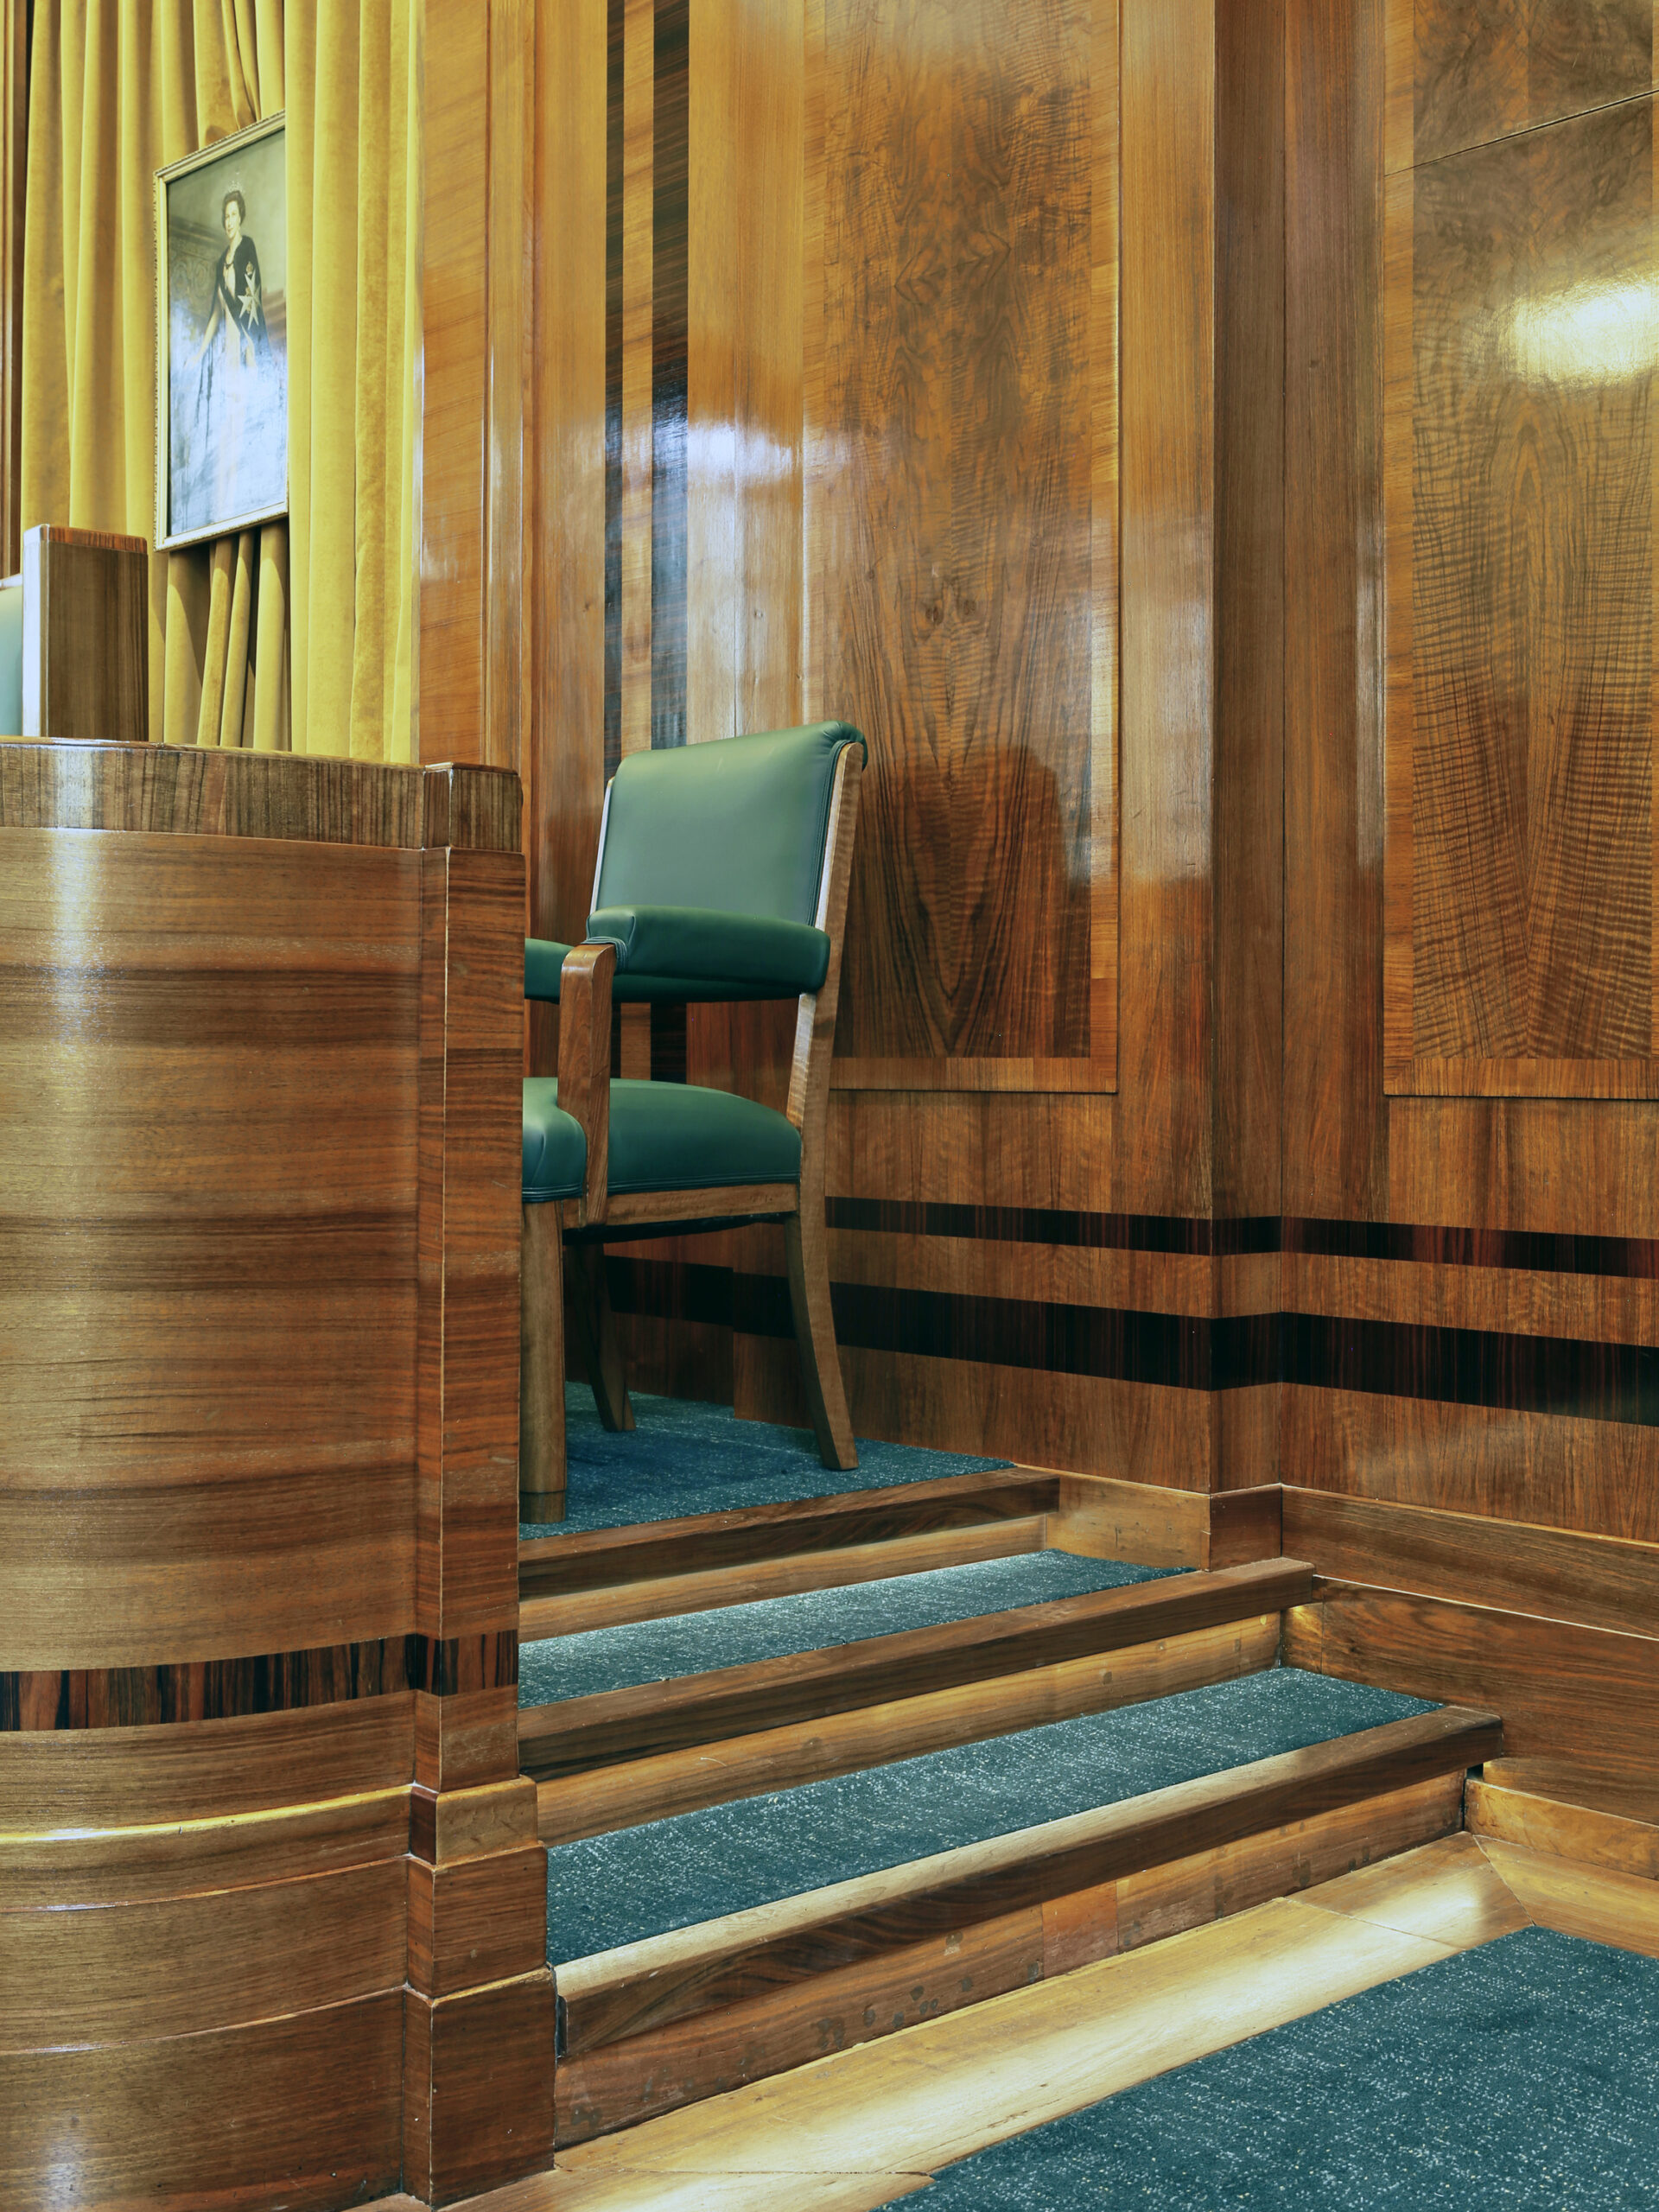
[[260, 1028]]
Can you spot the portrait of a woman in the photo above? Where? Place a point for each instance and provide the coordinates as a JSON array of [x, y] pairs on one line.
[[226, 443]]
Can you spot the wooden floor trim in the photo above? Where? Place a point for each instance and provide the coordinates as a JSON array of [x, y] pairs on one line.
[[607, 1730]]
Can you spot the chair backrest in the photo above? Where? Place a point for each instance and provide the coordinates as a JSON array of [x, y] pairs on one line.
[[736, 826]]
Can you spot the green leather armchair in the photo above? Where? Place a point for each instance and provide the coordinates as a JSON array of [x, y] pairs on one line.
[[722, 875]]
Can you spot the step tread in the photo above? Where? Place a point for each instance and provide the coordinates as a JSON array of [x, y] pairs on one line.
[[644, 1881], [645, 1985], [614, 1726], [559, 1668]]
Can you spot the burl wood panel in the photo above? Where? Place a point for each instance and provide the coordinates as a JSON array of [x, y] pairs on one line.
[[962, 511], [208, 1074], [1462, 74], [1519, 458]]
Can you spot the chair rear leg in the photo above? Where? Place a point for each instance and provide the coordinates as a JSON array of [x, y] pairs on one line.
[[542, 1467], [815, 1332], [601, 1349]]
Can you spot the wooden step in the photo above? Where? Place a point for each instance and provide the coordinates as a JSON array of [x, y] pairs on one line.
[[654, 1568], [677, 2017], [1549, 1805], [618, 1726]]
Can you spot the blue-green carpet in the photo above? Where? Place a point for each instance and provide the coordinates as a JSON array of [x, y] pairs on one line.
[[636, 1882], [682, 1459], [1524, 2073], [735, 1636]]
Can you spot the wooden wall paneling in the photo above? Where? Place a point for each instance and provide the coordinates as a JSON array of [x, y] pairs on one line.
[[639, 55], [1555, 1471], [123, 1971], [1460, 78], [209, 1337], [1597, 1581], [466, 1388], [300, 2111], [14, 165], [509, 488], [1561, 1687], [568, 469], [981, 828], [452, 489], [1521, 967], [478, 2088], [1336, 1126]]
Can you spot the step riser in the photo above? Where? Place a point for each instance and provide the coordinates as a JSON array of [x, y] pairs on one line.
[[620, 2083], [748, 1766], [585, 1734], [614, 1604]]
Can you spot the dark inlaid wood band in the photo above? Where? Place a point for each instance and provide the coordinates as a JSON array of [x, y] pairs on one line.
[[1573, 1377], [225, 1689]]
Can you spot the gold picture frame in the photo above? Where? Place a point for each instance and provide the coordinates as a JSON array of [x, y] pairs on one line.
[[221, 351]]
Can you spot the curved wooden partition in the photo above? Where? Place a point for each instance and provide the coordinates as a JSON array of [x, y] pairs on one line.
[[271, 1903]]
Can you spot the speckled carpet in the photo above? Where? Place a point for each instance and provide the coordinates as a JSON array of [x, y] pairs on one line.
[[1524, 2073], [735, 1636], [682, 1459], [617, 1889]]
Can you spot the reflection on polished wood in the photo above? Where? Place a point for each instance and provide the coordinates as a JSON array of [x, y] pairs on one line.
[[956, 618], [1521, 581]]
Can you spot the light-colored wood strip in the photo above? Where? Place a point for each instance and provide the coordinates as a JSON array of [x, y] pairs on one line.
[[729, 1202], [1446, 1891], [778, 1758], [1584, 1832], [956, 2084], [1621, 1909], [623, 2189], [674, 1594]]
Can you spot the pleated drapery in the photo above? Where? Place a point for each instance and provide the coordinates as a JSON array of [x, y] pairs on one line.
[[300, 633]]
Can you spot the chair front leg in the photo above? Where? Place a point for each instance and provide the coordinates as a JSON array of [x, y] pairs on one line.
[[601, 1348], [541, 1466], [815, 1332]]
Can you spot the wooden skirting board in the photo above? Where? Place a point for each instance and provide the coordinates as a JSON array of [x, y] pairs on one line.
[[666, 2021], [615, 1726]]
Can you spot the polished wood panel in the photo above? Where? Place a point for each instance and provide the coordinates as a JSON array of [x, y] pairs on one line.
[[1582, 1832], [614, 1726], [989, 849], [1503, 1563], [1447, 1891], [130, 1971], [1575, 1779], [1588, 1901], [1099, 1518], [86, 640], [1521, 594], [478, 2086], [1459, 76], [300, 2111], [1559, 1686], [749, 1766], [220, 1312], [477, 1921]]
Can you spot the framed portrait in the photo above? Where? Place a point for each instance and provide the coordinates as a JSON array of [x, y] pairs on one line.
[[221, 384]]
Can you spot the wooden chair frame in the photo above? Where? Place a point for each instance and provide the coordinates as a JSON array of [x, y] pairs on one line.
[[584, 991]]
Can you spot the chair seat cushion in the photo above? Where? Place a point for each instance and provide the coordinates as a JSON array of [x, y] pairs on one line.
[[556, 1151], [677, 1136]]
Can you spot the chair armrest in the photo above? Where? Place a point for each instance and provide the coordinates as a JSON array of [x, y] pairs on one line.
[[543, 962], [712, 954], [585, 1061]]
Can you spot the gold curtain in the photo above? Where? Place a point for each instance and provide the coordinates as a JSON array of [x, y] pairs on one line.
[[300, 633]]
